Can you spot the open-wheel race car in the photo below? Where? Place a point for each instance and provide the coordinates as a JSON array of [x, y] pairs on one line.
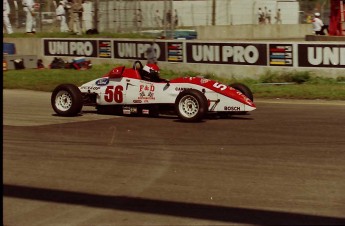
[[140, 91]]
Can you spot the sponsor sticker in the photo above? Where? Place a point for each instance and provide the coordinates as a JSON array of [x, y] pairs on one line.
[[146, 111], [231, 108], [146, 92], [102, 82]]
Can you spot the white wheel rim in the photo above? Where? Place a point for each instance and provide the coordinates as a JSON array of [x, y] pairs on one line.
[[63, 101], [189, 106]]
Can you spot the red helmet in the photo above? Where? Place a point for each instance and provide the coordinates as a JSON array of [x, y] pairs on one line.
[[150, 72], [151, 68]]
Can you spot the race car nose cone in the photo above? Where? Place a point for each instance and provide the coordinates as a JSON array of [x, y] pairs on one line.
[[250, 108]]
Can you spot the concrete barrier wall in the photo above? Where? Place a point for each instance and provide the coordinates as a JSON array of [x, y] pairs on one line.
[[328, 66], [255, 32]]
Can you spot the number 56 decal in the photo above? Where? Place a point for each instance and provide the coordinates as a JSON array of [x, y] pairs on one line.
[[114, 94]]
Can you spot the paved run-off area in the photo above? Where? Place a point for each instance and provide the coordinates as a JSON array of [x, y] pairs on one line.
[[282, 164]]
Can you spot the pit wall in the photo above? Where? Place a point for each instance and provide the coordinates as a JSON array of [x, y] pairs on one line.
[[239, 59], [254, 32]]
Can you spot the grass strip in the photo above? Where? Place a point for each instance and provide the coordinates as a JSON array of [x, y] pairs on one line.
[[310, 88]]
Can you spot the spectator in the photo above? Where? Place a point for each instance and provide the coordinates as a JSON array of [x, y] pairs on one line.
[[309, 19], [278, 17], [168, 19], [86, 11], [265, 13], [138, 19], [318, 26], [30, 16], [40, 64], [61, 16], [69, 13], [268, 17], [6, 20], [176, 18], [261, 16], [151, 54], [77, 13], [158, 19]]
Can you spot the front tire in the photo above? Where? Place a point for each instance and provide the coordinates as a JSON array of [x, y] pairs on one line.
[[67, 100], [243, 89], [191, 105]]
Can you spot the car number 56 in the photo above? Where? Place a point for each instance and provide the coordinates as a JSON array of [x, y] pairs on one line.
[[114, 94]]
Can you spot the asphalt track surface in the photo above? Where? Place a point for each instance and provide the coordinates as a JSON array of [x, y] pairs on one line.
[[283, 164]]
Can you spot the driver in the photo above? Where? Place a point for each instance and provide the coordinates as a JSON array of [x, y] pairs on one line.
[[151, 73]]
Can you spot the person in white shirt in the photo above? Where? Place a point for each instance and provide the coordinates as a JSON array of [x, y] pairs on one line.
[[6, 19], [278, 17], [158, 19], [318, 26], [261, 17], [61, 16], [30, 16]]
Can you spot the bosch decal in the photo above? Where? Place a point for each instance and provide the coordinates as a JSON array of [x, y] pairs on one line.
[[102, 82], [231, 108]]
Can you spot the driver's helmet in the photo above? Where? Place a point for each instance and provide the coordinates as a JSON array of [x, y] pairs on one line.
[[151, 72]]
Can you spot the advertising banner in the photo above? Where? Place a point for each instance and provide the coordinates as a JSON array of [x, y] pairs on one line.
[[136, 50], [104, 49], [175, 51], [227, 53], [321, 55], [281, 55], [70, 47]]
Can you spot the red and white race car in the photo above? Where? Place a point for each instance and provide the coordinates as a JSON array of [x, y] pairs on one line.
[[126, 91]]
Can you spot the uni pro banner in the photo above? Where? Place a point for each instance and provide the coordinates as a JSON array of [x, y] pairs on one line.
[[227, 53], [137, 50], [70, 47], [321, 55]]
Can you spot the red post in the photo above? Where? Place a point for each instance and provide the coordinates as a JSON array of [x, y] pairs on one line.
[[337, 18]]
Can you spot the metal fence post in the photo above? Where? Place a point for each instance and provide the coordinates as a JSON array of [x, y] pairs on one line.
[[96, 14]]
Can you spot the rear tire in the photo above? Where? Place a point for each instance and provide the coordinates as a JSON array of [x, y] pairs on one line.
[[191, 105], [67, 100]]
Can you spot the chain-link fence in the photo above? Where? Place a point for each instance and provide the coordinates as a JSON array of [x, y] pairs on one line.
[[113, 16], [157, 16], [45, 16]]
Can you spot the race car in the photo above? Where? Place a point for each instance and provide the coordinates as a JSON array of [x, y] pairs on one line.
[[128, 91]]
